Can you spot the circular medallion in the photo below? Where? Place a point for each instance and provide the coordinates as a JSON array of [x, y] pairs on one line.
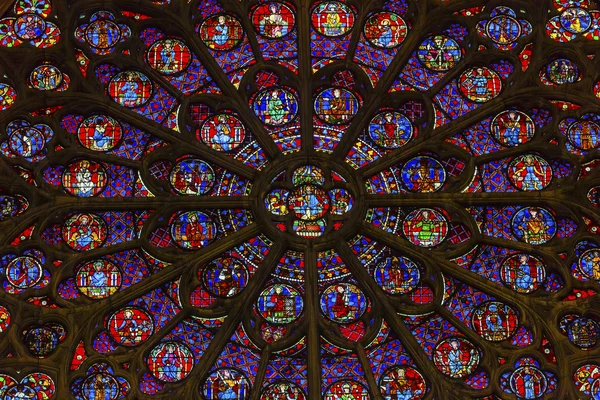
[[528, 382], [130, 326], [308, 175], [332, 18], [439, 53], [397, 275], [343, 302], [425, 227], [530, 172], [534, 225], [41, 341], [98, 279], [390, 129], [307, 209], [583, 332], [456, 357], [585, 376], [562, 71], [46, 77], [308, 202], [275, 106], [8, 96], [20, 392], [347, 389], [402, 382], [503, 29], [42, 383], [100, 385], [589, 264], [102, 34], [169, 56], [385, 30], [593, 195], [423, 174], [480, 84], [83, 232], [99, 133], [192, 176], [221, 32], [193, 230], [130, 89], [170, 361], [595, 387], [226, 383], [512, 128], [7, 381], [8, 207], [341, 201], [336, 106], [222, 132], [29, 26], [494, 321], [26, 141], [84, 178], [585, 135], [523, 273], [576, 20], [282, 390], [4, 318], [24, 272], [276, 202], [280, 304], [225, 277], [273, 20]]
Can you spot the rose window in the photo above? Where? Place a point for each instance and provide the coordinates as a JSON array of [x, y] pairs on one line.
[[299, 199]]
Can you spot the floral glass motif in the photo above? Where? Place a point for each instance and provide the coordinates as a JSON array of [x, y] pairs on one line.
[[310, 199]]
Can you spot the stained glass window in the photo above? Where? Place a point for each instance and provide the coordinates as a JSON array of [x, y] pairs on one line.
[[299, 199]]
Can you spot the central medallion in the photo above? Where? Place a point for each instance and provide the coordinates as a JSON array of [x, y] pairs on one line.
[[308, 201]]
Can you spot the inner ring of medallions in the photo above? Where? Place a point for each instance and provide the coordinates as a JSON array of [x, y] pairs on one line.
[[308, 199]]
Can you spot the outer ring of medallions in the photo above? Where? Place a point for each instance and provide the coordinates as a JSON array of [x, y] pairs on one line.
[[262, 186]]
